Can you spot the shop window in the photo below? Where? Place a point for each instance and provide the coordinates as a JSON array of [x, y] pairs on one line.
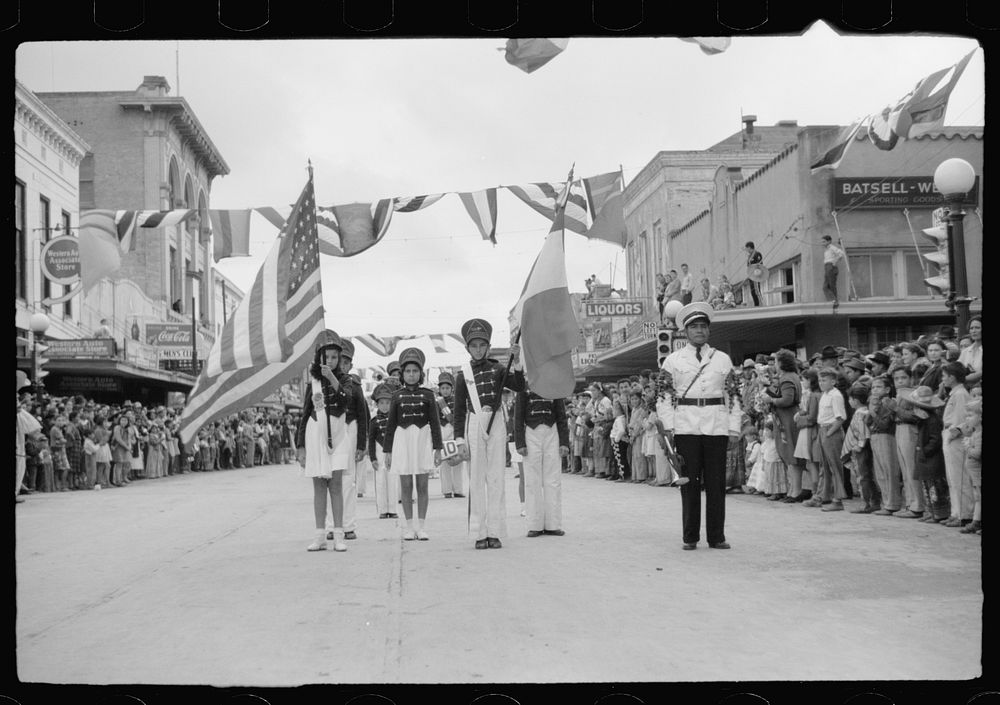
[[871, 275], [915, 275]]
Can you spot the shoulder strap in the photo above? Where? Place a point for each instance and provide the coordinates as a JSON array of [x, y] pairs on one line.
[[700, 370], [470, 385]]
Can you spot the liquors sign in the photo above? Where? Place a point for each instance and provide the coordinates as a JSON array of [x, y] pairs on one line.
[[892, 192], [601, 308]]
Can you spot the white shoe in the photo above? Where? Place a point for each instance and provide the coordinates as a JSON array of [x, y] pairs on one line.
[[422, 535], [97, 487], [319, 543], [408, 535], [339, 544]]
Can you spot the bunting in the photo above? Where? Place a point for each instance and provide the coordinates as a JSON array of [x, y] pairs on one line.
[[542, 197], [231, 231], [482, 207], [832, 157], [414, 203]]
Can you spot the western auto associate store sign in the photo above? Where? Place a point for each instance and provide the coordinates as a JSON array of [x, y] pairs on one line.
[[604, 308], [893, 192], [169, 335]]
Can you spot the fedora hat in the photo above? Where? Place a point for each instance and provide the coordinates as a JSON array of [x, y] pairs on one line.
[[829, 353], [855, 364], [924, 397]]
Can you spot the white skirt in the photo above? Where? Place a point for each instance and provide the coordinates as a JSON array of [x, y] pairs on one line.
[[412, 450], [320, 461]]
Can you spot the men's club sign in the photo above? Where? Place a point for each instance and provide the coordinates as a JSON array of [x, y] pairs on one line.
[[604, 308], [61, 260]]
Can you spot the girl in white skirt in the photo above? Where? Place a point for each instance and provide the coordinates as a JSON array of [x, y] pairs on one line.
[[321, 441], [413, 439]]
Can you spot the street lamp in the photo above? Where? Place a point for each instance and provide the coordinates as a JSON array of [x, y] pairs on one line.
[[954, 178], [39, 323]]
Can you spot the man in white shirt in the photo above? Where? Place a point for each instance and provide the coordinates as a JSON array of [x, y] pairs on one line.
[[830, 420], [831, 256], [687, 285], [702, 411]]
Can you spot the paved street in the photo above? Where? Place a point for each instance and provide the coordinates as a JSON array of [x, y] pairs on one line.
[[204, 579]]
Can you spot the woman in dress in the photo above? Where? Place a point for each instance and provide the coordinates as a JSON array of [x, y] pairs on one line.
[[154, 458], [807, 448], [121, 449]]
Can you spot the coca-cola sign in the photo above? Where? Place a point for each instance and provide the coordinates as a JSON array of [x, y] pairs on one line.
[[168, 335]]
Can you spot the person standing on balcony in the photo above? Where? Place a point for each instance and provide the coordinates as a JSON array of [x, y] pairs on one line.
[[687, 285], [753, 257], [831, 256], [673, 290]]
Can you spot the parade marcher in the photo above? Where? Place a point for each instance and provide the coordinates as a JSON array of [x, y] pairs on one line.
[[929, 465], [413, 439], [452, 470], [704, 410], [356, 418], [477, 395], [386, 482], [323, 447], [542, 438]]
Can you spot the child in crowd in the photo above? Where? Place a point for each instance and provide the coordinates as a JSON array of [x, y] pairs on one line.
[[90, 458], [755, 461], [972, 437], [882, 424], [929, 460], [44, 460], [60, 463], [413, 439], [656, 465], [774, 483], [102, 437], [858, 448], [830, 418], [906, 438]]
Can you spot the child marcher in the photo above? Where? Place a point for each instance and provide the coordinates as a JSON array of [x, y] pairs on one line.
[[413, 440], [972, 436], [929, 464], [542, 438], [386, 482], [477, 395], [857, 447], [452, 470], [882, 424], [356, 420], [321, 439]]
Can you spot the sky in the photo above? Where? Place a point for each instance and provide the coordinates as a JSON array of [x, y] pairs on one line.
[[380, 118]]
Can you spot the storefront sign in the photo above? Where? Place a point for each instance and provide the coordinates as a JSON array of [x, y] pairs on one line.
[[169, 335], [612, 307], [584, 359], [61, 259], [90, 348], [88, 385], [892, 192], [602, 335], [173, 353]]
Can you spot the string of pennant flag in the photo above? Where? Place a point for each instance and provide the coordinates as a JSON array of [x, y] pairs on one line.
[[347, 230]]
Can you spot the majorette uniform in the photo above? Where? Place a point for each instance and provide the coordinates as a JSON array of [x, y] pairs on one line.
[[413, 431], [701, 410], [452, 470], [487, 504], [356, 426], [540, 427], [322, 431], [386, 482]]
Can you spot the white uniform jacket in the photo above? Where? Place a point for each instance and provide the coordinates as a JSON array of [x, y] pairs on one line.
[[718, 380]]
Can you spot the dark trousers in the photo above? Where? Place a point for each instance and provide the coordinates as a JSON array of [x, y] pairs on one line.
[[830, 281], [622, 463], [755, 292], [705, 465]]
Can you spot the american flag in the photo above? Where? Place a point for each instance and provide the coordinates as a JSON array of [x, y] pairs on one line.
[[345, 230], [270, 337]]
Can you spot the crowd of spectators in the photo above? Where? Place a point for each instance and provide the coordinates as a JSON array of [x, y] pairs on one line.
[[897, 431], [670, 287], [80, 444]]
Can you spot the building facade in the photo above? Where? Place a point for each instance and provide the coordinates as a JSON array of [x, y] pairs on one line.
[[876, 203]]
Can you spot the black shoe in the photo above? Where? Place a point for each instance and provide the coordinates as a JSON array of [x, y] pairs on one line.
[[721, 544], [533, 534], [458, 494], [554, 532], [690, 546], [482, 543], [392, 516], [493, 543], [448, 495], [329, 536], [383, 516], [350, 535]]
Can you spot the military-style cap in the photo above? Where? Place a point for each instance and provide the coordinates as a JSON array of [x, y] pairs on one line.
[[329, 339], [415, 355], [392, 366], [382, 391], [748, 363], [346, 348], [476, 328], [446, 378], [698, 310]]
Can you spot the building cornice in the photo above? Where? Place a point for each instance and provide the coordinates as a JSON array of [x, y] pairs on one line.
[[187, 125], [48, 126]]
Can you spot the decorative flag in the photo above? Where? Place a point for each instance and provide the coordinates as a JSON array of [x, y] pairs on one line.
[[532, 54], [482, 206], [231, 232], [542, 197], [381, 346], [414, 203], [344, 231], [710, 45], [438, 342], [546, 320], [607, 210], [920, 111], [832, 157], [163, 219], [271, 336]]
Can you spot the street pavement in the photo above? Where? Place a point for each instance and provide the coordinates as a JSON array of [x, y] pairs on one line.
[[204, 579]]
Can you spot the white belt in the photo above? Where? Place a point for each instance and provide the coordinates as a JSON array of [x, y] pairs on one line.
[[487, 409]]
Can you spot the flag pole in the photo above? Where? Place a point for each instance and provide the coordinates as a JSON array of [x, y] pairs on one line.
[[560, 206]]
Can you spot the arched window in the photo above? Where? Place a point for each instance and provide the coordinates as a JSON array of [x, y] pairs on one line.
[[174, 183]]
